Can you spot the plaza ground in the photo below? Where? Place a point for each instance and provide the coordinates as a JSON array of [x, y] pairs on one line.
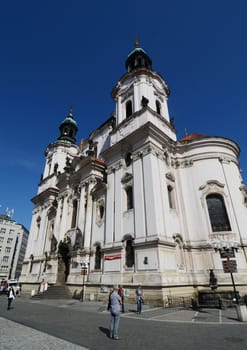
[[71, 324]]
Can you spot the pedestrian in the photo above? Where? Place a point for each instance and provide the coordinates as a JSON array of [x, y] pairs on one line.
[[11, 296], [139, 299], [115, 309], [121, 293]]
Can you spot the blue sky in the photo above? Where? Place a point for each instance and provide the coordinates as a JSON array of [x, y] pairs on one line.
[[54, 54]]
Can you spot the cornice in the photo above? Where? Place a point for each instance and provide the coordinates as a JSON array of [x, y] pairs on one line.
[[45, 195], [185, 162], [205, 142]]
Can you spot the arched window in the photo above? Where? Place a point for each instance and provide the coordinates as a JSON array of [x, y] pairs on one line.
[[217, 213], [98, 254], [101, 211], [129, 253], [171, 198], [74, 214], [158, 106], [129, 194], [128, 109]]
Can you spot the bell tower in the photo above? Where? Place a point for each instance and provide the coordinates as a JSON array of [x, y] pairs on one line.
[[64, 149], [68, 129], [141, 93]]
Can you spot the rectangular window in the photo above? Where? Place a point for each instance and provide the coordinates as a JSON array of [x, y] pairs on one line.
[[1, 239], [7, 249], [3, 230], [5, 258], [9, 240], [11, 232]]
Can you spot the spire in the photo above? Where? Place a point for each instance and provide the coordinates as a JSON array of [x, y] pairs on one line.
[[138, 58], [137, 44], [71, 112], [68, 128]]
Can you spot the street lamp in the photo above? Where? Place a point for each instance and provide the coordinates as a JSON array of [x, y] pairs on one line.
[[227, 251], [84, 268]]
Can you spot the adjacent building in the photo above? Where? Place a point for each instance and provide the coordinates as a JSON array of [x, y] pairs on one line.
[[133, 205], [13, 243]]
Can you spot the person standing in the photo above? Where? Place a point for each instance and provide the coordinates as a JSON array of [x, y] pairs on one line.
[[11, 296], [115, 309], [121, 293], [139, 299]]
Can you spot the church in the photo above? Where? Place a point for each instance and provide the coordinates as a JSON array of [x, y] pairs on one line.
[[134, 205]]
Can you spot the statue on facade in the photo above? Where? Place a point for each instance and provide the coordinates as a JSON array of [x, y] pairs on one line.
[[78, 240], [144, 101], [212, 280], [53, 244]]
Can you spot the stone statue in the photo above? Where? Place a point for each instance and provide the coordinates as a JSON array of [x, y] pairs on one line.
[[144, 101], [212, 280], [78, 240], [53, 244]]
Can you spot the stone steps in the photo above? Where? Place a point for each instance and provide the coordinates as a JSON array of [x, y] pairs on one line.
[[54, 292]]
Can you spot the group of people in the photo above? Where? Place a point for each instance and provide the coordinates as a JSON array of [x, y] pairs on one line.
[[116, 306]]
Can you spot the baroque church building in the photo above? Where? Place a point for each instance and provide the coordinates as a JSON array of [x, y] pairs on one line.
[[133, 205]]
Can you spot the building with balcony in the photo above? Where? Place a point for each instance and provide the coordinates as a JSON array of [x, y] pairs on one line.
[[13, 244]]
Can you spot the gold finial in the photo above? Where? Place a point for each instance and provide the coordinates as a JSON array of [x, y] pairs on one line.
[[137, 44]]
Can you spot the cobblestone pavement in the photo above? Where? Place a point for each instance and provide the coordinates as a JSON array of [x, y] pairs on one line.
[[182, 315], [213, 316], [14, 336]]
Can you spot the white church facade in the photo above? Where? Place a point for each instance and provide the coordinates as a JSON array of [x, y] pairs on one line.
[[133, 205]]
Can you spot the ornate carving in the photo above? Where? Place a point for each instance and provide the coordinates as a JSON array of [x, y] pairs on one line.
[[126, 93], [127, 179], [212, 184], [170, 177], [181, 163]]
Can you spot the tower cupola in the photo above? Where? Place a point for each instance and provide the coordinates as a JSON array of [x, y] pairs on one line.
[[138, 58], [68, 128]]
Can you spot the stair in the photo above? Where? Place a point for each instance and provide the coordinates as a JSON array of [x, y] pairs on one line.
[[55, 292]]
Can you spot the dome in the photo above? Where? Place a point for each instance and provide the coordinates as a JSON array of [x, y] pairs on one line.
[[68, 129], [138, 58]]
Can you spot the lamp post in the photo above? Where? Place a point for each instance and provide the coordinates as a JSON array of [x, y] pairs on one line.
[[227, 251], [83, 273]]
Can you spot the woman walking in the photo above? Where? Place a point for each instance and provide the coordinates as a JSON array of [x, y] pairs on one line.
[[11, 296]]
